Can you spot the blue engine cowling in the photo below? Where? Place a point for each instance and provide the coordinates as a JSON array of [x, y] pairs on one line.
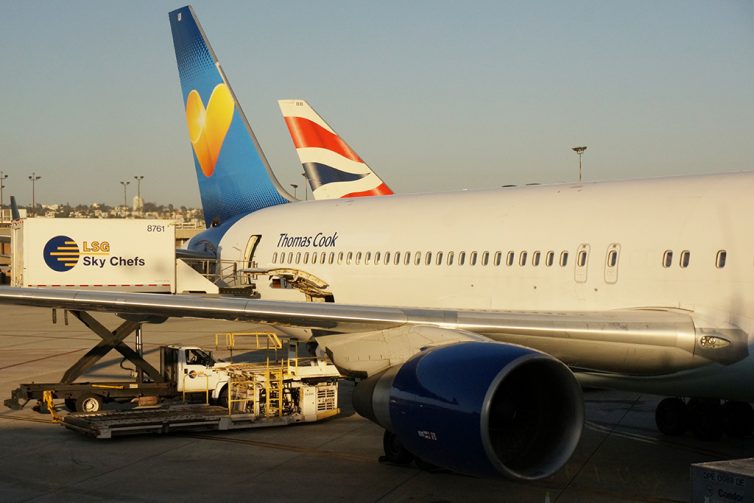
[[479, 408]]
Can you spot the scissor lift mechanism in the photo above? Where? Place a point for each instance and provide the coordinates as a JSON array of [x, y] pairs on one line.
[[149, 380]]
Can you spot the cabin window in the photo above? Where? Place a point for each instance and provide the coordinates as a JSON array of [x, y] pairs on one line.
[[428, 258], [314, 258], [667, 258], [376, 258], [461, 258], [417, 258], [498, 258], [290, 257], [438, 260], [298, 257], [509, 258], [306, 258], [550, 258], [685, 259], [397, 258], [340, 258], [322, 258], [274, 257], [535, 258], [612, 258], [406, 258], [367, 258], [450, 258], [472, 258], [522, 258], [722, 255], [581, 259], [563, 258], [485, 258], [349, 257], [331, 259], [358, 258], [387, 258]]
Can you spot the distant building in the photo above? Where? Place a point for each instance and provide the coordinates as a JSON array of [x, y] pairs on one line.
[[6, 215], [138, 204]]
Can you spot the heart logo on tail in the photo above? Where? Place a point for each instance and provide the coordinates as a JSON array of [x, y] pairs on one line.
[[208, 127]]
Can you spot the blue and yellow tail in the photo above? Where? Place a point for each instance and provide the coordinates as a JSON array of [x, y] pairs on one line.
[[234, 175]]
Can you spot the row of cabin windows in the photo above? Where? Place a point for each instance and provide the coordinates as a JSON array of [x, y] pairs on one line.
[[449, 258], [426, 258], [685, 259]]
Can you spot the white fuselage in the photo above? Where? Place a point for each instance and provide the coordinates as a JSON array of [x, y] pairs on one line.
[[632, 244]]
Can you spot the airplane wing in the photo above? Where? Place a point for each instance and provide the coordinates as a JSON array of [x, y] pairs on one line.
[[637, 341]]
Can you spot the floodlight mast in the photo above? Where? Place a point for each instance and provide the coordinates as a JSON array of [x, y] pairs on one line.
[[3, 177], [34, 177], [138, 179], [125, 197], [580, 152]]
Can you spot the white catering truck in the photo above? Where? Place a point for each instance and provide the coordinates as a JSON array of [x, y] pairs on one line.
[[237, 395], [108, 254]]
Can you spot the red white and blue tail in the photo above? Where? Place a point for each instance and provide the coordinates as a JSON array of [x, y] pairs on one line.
[[333, 169]]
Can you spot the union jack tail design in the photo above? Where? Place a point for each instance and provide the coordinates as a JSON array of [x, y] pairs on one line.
[[333, 169]]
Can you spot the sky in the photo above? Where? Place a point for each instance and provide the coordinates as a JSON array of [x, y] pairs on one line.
[[433, 95]]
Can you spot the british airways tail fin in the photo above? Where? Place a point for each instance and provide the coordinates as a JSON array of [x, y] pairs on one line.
[[333, 169], [234, 175]]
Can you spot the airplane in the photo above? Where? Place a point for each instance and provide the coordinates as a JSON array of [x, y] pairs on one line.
[[333, 169], [472, 319]]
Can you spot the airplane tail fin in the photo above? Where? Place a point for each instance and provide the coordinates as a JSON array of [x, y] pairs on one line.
[[234, 175], [14, 213], [333, 169]]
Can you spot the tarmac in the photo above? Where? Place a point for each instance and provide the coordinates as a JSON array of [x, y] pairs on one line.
[[621, 456]]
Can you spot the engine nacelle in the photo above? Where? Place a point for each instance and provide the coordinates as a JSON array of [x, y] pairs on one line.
[[480, 408]]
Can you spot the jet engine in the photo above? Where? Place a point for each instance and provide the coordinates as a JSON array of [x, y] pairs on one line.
[[479, 408]]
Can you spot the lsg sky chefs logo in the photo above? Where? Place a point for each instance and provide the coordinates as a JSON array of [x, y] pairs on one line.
[[62, 253]]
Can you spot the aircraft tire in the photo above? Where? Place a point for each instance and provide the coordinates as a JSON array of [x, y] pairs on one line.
[[394, 450], [706, 418], [738, 418], [671, 417]]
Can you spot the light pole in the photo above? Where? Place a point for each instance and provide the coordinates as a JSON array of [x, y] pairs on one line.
[[34, 177], [294, 190], [306, 187], [580, 151], [125, 197], [138, 179], [3, 177]]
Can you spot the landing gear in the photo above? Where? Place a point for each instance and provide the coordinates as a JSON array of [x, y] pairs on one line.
[[705, 417], [671, 416], [738, 419], [394, 450]]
